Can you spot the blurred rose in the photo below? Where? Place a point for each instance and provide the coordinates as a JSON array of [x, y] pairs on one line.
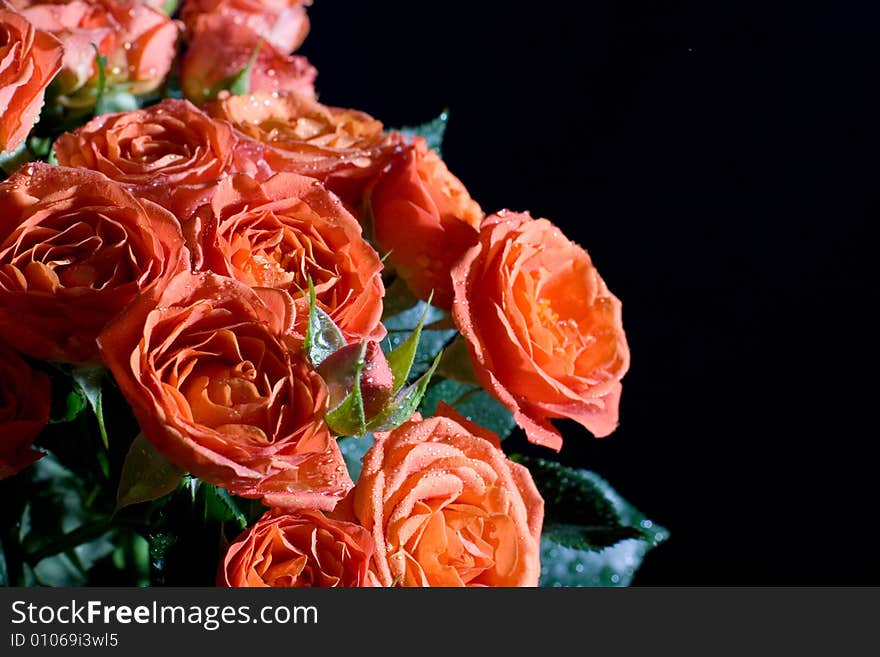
[[446, 507], [220, 388], [545, 334], [282, 23], [425, 219], [171, 153], [75, 248], [24, 411], [304, 549], [345, 149], [29, 59], [221, 49], [282, 232], [138, 41]]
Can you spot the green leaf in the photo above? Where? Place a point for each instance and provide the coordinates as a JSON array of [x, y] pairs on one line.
[[39, 146], [456, 363], [52, 159], [401, 358], [88, 378], [170, 6], [471, 401], [399, 409], [74, 403], [11, 161], [433, 131], [403, 314], [116, 101], [353, 450], [146, 474], [347, 419], [592, 536], [323, 337], [219, 505]]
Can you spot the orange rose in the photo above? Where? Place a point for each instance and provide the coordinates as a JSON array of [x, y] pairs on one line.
[[305, 549], [138, 41], [75, 248], [221, 48], [446, 507], [345, 149], [282, 23], [544, 333], [282, 232], [24, 411], [29, 59], [425, 219], [222, 390], [171, 153]]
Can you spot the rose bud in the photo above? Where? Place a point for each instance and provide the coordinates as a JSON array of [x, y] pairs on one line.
[[221, 49], [282, 23], [376, 379], [138, 41]]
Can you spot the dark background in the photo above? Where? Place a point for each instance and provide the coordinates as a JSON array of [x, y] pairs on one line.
[[719, 164]]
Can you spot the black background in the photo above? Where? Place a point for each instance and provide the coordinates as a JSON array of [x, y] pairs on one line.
[[719, 164]]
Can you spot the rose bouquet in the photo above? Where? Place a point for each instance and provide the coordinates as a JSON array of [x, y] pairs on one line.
[[253, 340]]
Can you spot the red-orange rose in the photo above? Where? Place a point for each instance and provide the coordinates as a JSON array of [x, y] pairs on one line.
[[425, 219], [304, 549], [282, 232], [220, 49], [545, 334], [447, 508], [75, 248], [138, 41], [24, 411], [282, 23], [29, 59], [345, 149], [171, 153], [222, 390]]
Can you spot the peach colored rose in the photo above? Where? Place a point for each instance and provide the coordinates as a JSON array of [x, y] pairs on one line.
[[282, 232], [425, 219], [29, 59], [171, 153], [446, 507], [303, 549], [282, 23], [138, 41], [220, 49], [75, 248], [345, 149], [24, 411], [545, 335], [222, 390]]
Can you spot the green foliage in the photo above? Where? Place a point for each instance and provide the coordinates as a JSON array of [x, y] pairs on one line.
[[433, 131], [89, 381], [592, 536], [347, 419], [323, 337], [146, 474], [472, 402]]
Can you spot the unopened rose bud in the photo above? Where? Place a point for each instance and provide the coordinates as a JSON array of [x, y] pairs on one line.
[[377, 381]]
